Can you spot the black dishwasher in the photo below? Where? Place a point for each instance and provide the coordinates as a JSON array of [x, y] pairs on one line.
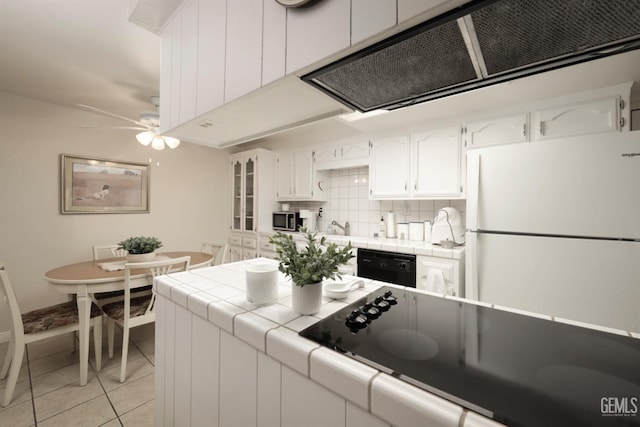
[[391, 267]]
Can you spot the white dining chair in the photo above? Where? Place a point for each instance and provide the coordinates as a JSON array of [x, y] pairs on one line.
[[139, 310], [38, 325], [108, 251], [218, 250]]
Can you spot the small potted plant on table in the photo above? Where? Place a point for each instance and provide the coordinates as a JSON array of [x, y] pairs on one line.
[[140, 249], [309, 267]]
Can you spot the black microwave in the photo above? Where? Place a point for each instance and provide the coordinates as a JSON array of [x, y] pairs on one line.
[[286, 221]]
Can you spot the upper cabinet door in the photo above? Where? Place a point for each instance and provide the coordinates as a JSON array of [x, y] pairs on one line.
[[284, 176], [601, 115], [243, 68], [303, 174], [189, 62], [436, 159], [212, 29], [389, 168], [274, 43], [316, 32], [502, 130], [166, 45], [176, 64]]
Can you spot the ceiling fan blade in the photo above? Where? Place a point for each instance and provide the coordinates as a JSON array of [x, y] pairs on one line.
[[107, 113], [116, 127]]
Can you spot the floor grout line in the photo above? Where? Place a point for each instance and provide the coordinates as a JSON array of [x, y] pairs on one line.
[[33, 400]]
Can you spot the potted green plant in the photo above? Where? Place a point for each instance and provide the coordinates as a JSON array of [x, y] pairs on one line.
[[309, 267], [140, 249]]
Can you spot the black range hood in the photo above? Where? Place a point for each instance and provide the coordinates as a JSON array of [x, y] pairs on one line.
[[478, 44]]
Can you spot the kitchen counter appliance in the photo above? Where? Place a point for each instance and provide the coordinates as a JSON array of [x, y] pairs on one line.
[[388, 267], [518, 370], [447, 227], [286, 221]]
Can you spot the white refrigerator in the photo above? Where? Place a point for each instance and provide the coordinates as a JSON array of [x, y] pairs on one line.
[[553, 227]]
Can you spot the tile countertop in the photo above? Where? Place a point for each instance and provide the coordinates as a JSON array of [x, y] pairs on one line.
[[416, 247], [218, 295]]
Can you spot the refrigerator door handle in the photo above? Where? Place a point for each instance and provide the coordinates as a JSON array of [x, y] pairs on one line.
[[473, 188], [471, 267]]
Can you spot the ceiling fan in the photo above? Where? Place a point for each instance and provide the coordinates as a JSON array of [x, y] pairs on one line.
[[149, 124]]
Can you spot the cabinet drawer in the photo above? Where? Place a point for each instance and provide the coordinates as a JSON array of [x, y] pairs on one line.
[[249, 254], [235, 240], [249, 242], [266, 246]]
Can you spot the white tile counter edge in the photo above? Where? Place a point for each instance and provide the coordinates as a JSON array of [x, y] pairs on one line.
[[273, 330]]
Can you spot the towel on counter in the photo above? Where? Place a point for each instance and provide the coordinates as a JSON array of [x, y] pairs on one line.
[[435, 282]]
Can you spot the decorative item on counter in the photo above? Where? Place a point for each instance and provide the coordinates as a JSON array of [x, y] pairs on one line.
[[427, 231], [403, 230], [416, 230], [448, 226], [262, 284], [391, 225], [382, 230], [309, 267], [140, 249]]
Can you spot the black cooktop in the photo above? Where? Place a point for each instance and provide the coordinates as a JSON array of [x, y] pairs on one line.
[[518, 370]]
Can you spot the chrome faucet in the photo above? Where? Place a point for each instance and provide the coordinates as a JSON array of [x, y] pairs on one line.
[[346, 228]]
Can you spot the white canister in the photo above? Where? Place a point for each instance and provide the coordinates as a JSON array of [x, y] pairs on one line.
[[262, 284], [391, 225], [427, 231], [403, 230], [416, 231]]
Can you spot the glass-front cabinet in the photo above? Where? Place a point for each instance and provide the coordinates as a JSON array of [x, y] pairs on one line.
[[253, 195], [243, 175]]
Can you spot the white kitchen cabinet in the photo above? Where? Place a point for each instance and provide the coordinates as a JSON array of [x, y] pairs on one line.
[[252, 180], [425, 165], [496, 131], [341, 156], [316, 32], [436, 157], [389, 171], [166, 46], [369, 17], [274, 42], [297, 178], [452, 271], [592, 116], [176, 67], [212, 28], [243, 57], [188, 62], [235, 253]]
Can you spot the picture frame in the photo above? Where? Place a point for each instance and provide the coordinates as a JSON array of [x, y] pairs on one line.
[[96, 186]]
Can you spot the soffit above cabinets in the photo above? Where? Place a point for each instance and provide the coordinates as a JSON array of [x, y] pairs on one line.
[[285, 104], [478, 44]]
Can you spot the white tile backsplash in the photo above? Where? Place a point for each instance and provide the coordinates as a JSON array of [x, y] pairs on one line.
[[348, 200]]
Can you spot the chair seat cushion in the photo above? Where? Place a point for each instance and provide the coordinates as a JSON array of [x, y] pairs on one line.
[[139, 305], [104, 295], [54, 316]]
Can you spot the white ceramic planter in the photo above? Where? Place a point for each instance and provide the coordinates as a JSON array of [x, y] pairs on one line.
[[307, 299], [141, 257]]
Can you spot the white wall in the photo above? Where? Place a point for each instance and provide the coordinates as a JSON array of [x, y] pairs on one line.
[[189, 195]]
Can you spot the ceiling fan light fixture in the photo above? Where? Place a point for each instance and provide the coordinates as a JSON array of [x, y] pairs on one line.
[[145, 137], [157, 143], [171, 142]]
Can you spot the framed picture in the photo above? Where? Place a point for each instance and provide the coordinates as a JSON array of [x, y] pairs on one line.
[[90, 185]]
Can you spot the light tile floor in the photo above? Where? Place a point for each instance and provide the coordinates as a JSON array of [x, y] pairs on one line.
[[48, 393]]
